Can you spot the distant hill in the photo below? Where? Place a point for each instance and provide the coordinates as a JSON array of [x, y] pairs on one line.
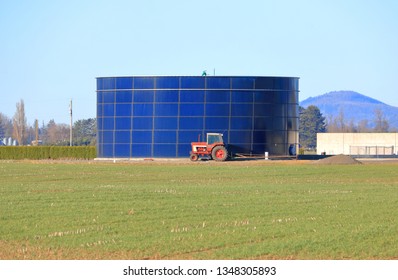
[[355, 106]]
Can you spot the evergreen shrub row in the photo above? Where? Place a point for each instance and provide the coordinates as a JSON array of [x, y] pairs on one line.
[[47, 152]]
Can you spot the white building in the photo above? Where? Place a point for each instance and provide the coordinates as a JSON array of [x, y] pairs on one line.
[[357, 143]]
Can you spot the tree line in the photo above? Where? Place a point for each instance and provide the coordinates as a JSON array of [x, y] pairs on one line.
[[312, 122], [52, 133], [84, 131]]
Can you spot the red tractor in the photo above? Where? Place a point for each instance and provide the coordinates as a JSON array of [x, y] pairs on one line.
[[214, 147]]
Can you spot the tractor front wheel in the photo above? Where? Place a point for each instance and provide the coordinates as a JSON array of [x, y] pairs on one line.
[[193, 157], [219, 153]]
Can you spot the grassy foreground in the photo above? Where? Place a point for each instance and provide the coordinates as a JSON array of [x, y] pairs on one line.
[[204, 210]]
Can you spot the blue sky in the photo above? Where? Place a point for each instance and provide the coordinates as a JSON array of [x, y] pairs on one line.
[[51, 51]]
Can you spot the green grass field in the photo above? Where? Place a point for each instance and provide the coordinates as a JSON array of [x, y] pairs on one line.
[[204, 210]]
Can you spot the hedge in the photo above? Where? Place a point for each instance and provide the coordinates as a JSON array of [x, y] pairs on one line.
[[47, 152]]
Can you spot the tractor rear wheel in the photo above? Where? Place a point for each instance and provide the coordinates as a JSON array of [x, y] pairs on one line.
[[219, 153], [193, 157]]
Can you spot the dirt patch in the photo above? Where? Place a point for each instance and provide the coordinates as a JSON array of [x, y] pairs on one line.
[[339, 159]]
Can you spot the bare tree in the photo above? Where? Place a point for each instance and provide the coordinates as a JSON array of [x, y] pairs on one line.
[[51, 133], [63, 134], [339, 124], [363, 126], [5, 126], [19, 123], [381, 123], [331, 124], [341, 121], [56, 134]]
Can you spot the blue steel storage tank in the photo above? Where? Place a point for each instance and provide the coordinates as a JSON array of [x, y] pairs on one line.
[[159, 116]]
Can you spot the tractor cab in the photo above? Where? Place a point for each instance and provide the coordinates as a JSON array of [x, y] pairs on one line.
[[213, 138], [214, 148]]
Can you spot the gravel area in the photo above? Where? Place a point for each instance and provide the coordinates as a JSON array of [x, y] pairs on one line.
[[339, 159]]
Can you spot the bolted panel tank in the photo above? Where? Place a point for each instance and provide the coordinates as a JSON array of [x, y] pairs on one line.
[[159, 116]]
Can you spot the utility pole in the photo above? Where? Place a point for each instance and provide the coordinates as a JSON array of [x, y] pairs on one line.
[[71, 123], [37, 132]]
